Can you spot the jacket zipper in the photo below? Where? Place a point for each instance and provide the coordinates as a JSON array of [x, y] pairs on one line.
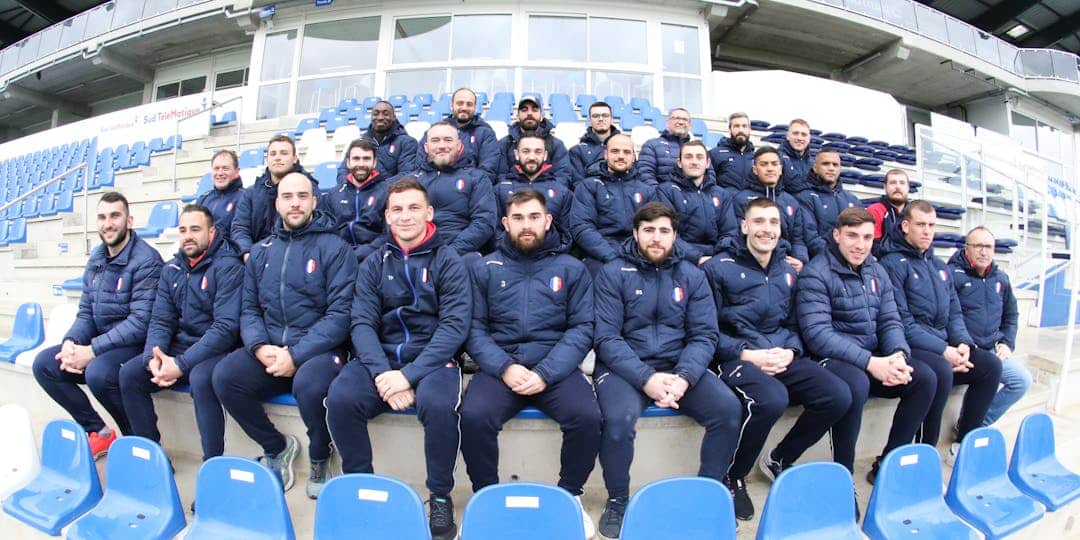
[[281, 291]]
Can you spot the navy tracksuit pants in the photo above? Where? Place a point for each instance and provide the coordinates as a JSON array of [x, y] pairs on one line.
[[102, 375], [489, 403], [764, 397], [353, 400], [710, 402], [982, 381], [137, 391], [242, 384]]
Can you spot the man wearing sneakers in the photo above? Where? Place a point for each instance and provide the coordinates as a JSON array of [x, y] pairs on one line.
[[531, 356], [655, 336], [117, 297], [760, 354], [294, 319], [410, 315]]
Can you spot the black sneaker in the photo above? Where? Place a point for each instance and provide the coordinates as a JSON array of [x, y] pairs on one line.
[[320, 473], [611, 519], [744, 507], [770, 466], [441, 517], [871, 475]]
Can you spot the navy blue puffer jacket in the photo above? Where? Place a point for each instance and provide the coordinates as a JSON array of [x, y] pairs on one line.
[[585, 153], [556, 190], [558, 157], [732, 166], [705, 214], [463, 201], [987, 301], [791, 217], [255, 213], [602, 215], [821, 205], [656, 161], [480, 147], [358, 212], [222, 204], [396, 154], [796, 168]]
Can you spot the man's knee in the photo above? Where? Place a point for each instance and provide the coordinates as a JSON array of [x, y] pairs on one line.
[[1015, 375], [102, 376], [133, 375], [46, 366], [620, 426], [767, 401]]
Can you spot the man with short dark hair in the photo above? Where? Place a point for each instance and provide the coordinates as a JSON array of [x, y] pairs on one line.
[[479, 146], [659, 156], [934, 324], [733, 156], [357, 201], [765, 175], [410, 314], [760, 354], [395, 150], [194, 324], [705, 212], [117, 297], [887, 210], [605, 203], [533, 172], [795, 151], [294, 319], [228, 188], [655, 336], [822, 199], [255, 214], [990, 315], [859, 337], [531, 121], [591, 148], [531, 357]]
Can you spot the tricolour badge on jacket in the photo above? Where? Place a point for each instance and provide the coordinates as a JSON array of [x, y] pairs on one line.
[[677, 294], [873, 285], [205, 282], [424, 275], [556, 283], [943, 275], [311, 266], [460, 184], [789, 279]]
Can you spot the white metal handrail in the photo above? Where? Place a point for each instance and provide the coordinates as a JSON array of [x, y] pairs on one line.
[[85, 189]]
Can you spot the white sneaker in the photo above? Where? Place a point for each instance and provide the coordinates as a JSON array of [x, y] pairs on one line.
[[950, 456], [590, 528]]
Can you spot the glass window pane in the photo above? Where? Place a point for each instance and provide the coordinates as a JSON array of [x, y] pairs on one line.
[[617, 40], [154, 7], [336, 46], [99, 20], [488, 80], [931, 23], [627, 85], [28, 52], [273, 101], [278, 55], [1049, 144], [167, 91], [557, 38], [685, 93], [73, 29], [485, 37], [1023, 131], [11, 59], [424, 39], [681, 48], [961, 35], [899, 12], [986, 48], [410, 83], [316, 94], [127, 12], [549, 81], [192, 86], [230, 79], [50, 40]]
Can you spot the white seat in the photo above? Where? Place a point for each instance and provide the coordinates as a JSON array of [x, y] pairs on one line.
[[570, 133], [61, 317], [311, 137], [642, 134], [319, 153], [19, 462], [500, 128], [345, 135], [416, 129], [249, 175]]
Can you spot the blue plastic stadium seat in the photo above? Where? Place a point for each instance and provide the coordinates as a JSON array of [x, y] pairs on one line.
[[65, 201], [206, 183], [834, 136], [73, 284], [980, 491], [811, 501], [123, 158], [775, 138], [691, 507], [432, 116], [443, 105], [225, 119], [906, 160], [363, 121], [140, 155], [140, 501], [759, 125], [398, 100], [327, 114], [423, 100], [239, 498], [157, 144], [163, 215], [907, 501], [306, 124], [778, 128], [839, 146], [252, 157], [67, 486], [868, 164], [326, 174], [336, 122], [712, 138], [583, 101], [698, 127], [27, 332], [654, 116], [857, 140], [878, 144], [347, 104], [16, 233], [630, 121], [369, 506], [482, 99], [370, 102], [1035, 468], [522, 511]]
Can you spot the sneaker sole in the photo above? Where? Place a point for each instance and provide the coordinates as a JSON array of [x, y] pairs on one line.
[[292, 446], [763, 465]]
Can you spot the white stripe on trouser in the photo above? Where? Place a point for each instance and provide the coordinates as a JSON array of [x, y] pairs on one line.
[[749, 414]]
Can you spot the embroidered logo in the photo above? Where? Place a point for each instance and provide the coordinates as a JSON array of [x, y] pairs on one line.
[[119, 283], [998, 287], [371, 201], [424, 275], [556, 284], [460, 184], [393, 148], [873, 285], [229, 207], [311, 266], [677, 294], [551, 193], [638, 198], [716, 202], [944, 275], [789, 279], [205, 282]]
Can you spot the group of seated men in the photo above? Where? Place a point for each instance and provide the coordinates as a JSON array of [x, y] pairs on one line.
[[699, 279]]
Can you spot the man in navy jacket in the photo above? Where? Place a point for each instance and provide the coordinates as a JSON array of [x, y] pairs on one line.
[[294, 320], [531, 121], [255, 212], [990, 315], [357, 201], [766, 183], [887, 211], [705, 212], [591, 148], [760, 354], [934, 324], [795, 151], [659, 156], [655, 336], [410, 314], [850, 323], [733, 156], [822, 199], [533, 172], [532, 325], [479, 146], [194, 324], [228, 188], [110, 329], [395, 150]]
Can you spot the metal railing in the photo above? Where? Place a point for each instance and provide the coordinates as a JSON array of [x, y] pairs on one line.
[[86, 200], [214, 105]]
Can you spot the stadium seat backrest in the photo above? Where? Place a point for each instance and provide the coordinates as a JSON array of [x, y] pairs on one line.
[[252, 157], [164, 215], [398, 100], [326, 174], [27, 332], [813, 500], [67, 485], [239, 498], [570, 133], [61, 317], [416, 129], [1035, 468], [499, 127], [369, 506], [320, 152], [140, 501], [642, 134], [345, 135], [19, 461], [690, 507], [522, 511]]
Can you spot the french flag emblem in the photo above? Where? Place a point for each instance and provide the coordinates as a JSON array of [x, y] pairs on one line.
[[472, 139], [371, 201], [551, 193], [229, 207], [678, 294], [998, 287], [789, 279], [716, 202], [556, 284], [790, 210], [460, 184], [393, 148], [944, 275], [205, 283], [638, 198], [311, 266], [119, 283], [423, 275], [873, 285]]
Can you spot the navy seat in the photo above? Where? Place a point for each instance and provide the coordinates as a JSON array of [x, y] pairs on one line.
[[811, 501], [869, 164], [164, 215], [67, 486], [980, 491], [688, 507], [775, 138], [759, 125], [781, 128], [27, 332], [239, 498], [369, 506], [140, 501], [857, 140], [1035, 468], [522, 511]]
